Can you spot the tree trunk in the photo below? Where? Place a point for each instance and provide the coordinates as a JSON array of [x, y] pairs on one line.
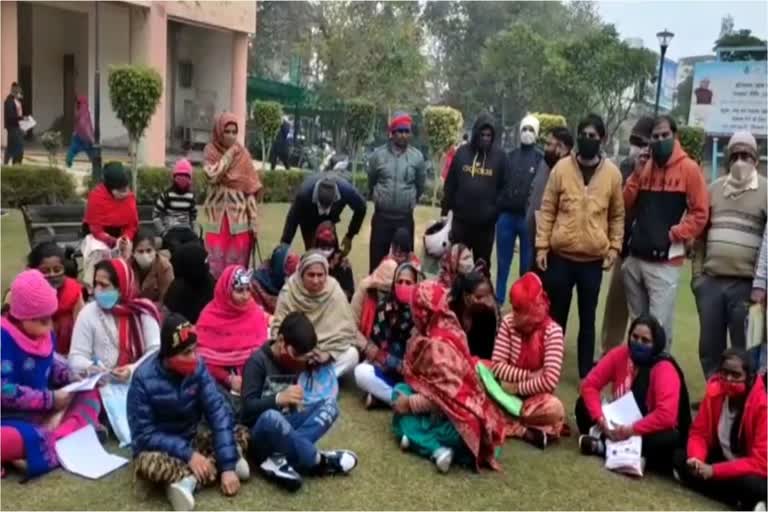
[[263, 153], [437, 183], [134, 147]]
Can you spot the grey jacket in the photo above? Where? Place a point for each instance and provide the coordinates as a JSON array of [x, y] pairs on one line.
[[396, 182], [534, 199]]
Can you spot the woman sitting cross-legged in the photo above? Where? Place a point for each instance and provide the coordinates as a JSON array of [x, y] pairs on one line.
[[35, 411], [231, 328], [169, 396], [474, 302], [316, 294], [528, 359], [383, 365], [269, 278], [115, 330], [193, 284], [654, 377], [441, 410], [726, 454]]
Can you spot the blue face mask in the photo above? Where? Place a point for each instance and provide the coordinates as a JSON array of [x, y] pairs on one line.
[[641, 354], [106, 299]]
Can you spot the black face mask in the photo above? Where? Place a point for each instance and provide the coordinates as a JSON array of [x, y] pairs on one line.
[[588, 148], [551, 158]]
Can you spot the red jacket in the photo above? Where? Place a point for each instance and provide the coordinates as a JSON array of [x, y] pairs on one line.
[[753, 432], [616, 368]]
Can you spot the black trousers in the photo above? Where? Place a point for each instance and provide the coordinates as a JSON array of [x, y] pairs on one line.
[[383, 227], [176, 237], [14, 149], [658, 447], [478, 237], [744, 492], [561, 276]]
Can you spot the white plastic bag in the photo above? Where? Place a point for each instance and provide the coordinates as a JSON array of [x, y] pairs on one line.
[[625, 456], [114, 396], [755, 325]]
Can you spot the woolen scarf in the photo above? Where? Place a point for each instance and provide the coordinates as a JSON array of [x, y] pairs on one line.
[[241, 175]]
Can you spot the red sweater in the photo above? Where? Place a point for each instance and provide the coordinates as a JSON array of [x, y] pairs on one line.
[[617, 369], [752, 432]]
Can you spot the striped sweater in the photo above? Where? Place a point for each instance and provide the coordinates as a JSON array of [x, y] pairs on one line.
[[174, 209], [507, 350]]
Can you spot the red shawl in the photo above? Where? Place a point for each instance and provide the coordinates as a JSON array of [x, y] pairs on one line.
[[241, 175], [227, 335], [439, 366], [531, 318], [69, 295], [128, 312], [104, 210]]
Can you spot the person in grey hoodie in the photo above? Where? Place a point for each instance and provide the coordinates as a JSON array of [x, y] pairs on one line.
[[396, 174]]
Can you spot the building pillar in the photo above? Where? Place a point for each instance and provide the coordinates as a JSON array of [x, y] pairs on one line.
[[9, 37], [240, 81]]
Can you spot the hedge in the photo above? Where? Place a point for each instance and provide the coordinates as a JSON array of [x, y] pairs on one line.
[[30, 184], [692, 139]]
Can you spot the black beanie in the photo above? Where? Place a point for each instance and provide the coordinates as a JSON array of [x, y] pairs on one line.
[[176, 335], [115, 176]]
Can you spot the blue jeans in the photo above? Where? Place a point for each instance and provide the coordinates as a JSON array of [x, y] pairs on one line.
[[508, 228], [76, 146], [293, 435]]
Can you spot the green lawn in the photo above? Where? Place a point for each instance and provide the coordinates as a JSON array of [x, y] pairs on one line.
[[558, 478]]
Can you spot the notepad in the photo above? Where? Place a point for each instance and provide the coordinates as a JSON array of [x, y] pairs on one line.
[[81, 453], [86, 384]]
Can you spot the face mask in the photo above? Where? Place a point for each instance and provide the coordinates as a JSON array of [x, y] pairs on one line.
[[741, 170], [588, 148], [106, 299], [404, 293], [734, 389], [289, 363], [56, 281], [551, 157], [183, 366], [182, 183], [661, 150], [641, 354], [527, 138], [326, 252], [144, 259]]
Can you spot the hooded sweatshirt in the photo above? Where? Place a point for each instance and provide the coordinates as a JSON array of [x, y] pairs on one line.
[[523, 165], [476, 178]]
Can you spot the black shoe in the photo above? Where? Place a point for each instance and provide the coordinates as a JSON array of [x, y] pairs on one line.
[[537, 438], [336, 462], [277, 469], [591, 445]]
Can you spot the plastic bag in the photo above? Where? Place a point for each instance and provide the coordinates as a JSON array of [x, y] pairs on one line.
[[755, 325], [625, 456], [510, 403], [114, 396], [319, 383]]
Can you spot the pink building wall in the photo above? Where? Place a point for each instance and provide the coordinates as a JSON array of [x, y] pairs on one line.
[[9, 69]]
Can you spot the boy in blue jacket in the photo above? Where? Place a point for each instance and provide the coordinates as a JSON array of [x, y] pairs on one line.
[[171, 392]]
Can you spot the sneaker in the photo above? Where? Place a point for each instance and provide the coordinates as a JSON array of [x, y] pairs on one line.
[[537, 438], [277, 469], [242, 469], [335, 462], [676, 475], [405, 443], [443, 458], [181, 494], [760, 507], [591, 445], [369, 401]]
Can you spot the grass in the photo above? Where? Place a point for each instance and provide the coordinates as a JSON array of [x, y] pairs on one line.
[[558, 478]]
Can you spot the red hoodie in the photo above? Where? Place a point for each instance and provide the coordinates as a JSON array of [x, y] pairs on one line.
[[753, 433]]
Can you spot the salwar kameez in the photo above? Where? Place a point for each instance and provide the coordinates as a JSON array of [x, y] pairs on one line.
[[544, 412]]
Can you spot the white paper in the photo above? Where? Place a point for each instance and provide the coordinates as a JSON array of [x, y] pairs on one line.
[[622, 411], [27, 123], [114, 396], [85, 384], [625, 456], [81, 453], [676, 250]]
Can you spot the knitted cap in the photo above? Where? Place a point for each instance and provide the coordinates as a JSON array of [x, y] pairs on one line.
[[182, 167], [32, 297], [400, 120], [743, 141], [176, 335], [531, 121]]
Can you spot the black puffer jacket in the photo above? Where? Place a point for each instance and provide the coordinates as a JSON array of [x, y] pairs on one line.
[[521, 171], [475, 178]]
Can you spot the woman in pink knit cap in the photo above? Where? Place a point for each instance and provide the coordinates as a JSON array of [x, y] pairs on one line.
[[35, 411]]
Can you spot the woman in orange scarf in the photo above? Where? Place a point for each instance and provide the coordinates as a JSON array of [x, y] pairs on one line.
[[230, 208]]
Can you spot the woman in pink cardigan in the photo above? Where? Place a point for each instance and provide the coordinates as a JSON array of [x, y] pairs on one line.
[[658, 384]]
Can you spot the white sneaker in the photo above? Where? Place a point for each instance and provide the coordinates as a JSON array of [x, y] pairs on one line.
[[443, 458], [242, 469], [277, 469], [405, 443], [181, 494], [760, 507]]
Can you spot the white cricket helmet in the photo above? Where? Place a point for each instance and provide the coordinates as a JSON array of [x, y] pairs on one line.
[[436, 237]]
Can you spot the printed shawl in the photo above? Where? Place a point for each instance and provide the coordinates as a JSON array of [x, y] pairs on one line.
[[241, 175]]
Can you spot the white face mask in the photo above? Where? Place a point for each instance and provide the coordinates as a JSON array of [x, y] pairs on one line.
[[144, 259], [326, 252], [634, 151], [741, 170], [527, 138]]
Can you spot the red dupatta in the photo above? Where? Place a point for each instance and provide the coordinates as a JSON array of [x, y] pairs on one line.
[[104, 210], [439, 366], [68, 295], [128, 312], [530, 305]]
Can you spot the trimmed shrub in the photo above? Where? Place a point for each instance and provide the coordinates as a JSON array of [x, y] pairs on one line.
[[547, 122], [443, 128], [267, 118], [29, 184], [692, 139], [359, 123]]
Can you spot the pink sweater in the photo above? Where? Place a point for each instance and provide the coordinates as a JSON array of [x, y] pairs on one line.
[[616, 368]]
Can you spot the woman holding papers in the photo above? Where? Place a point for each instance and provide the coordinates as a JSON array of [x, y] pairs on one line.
[[35, 411], [528, 359], [115, 330], [658, 385], [725, 458]]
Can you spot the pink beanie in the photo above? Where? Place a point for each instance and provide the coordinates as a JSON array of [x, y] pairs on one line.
[[182, 167], [32, 297]]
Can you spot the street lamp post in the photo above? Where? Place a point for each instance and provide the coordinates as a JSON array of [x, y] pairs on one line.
[[96, 151], [665, 37]]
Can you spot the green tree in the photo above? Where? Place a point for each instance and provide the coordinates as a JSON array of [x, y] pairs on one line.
[[443, 126], [359, 122], [134, 92], [683, 104], [741, 39], [267, 117]]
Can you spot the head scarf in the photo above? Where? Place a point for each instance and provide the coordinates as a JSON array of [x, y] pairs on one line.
[[325, 236], [439, 366], [192, 287], [241, 175], [128, 312], [328, 310], [69, 296], [272, 274], [365, 299], [102, 209], [227, 334], [83, 125], [530, 306], [450, 264]]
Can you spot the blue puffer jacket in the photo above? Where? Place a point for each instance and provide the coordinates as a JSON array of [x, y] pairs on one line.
[[165, 410]]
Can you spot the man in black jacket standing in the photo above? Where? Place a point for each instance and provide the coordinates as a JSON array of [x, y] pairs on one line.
[[472, 187], [14, 149]]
